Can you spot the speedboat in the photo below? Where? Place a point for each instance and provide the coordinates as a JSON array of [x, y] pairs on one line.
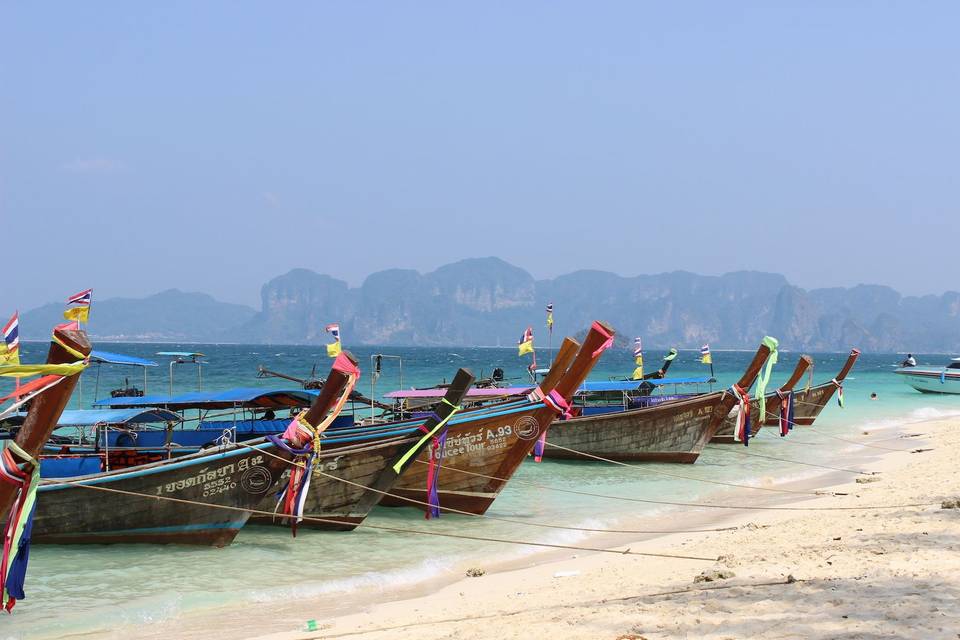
[[933, 379]]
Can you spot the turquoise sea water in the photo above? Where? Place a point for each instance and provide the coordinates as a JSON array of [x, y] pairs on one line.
[[98, 589]]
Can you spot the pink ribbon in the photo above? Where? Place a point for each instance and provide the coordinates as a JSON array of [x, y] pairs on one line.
[[596, 326]]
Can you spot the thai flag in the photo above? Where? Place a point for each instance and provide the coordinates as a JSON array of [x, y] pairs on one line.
[[83, 297], [704, 351], [637, 347], [527, 336], [334, 330], [11, 333]]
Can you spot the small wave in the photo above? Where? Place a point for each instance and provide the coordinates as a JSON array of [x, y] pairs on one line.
[[933, 413], [378, 580], [920, 414]]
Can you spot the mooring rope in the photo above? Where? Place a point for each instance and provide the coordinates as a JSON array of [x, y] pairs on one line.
[[681, 476], [706, 505], [741, 451], [439, 534], [803, 427], [862, 444], [422, 503]]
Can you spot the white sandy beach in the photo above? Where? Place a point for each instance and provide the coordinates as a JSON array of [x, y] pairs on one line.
[[792, 573]]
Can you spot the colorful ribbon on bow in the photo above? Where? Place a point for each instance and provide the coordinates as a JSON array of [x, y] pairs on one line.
[[839, 386], [433, 474], [556, 403], [300, 433], [24, 370], [786, 412], [540, 446], [742, 430], [16, 533], [405, 458], [606, 334], [764, 377]]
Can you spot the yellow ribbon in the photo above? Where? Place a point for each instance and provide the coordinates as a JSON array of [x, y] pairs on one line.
[[415, 448], [68, 348], [24, 370]]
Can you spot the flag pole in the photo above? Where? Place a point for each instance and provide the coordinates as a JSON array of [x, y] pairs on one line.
[[16, 381], [550, 343]]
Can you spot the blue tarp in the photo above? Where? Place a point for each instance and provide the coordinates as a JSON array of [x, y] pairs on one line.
[[119, 358], [239, 397], [696, 380], [632, 385], [90, 417], [69, 466]]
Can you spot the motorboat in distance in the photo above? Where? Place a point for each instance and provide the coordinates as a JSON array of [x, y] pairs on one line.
[[933, 379]]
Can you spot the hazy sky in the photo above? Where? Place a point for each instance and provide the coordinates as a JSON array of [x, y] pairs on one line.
[[210, 146]]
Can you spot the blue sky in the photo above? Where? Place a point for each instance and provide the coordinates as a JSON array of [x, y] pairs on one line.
[[210, 146]]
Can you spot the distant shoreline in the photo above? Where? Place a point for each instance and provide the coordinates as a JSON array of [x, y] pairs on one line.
[[647, 350]]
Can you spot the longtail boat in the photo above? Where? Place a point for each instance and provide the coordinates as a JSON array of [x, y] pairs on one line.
[[673, 431], [779, 406], [66, 347], [808, 403], [360, 466], [180, 499], [48, 395], [489, 441], [484, 447]]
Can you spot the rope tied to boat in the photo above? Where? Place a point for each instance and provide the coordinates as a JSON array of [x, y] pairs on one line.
[[839, 385], [16, 533], [786, 411], [741, 432]]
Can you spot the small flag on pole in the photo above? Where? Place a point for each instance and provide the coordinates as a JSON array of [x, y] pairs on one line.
[[10, 349], [80, 312], [334, 348], [638, 357], [84, 297], [705, 356], [550, 317], [526, 342]]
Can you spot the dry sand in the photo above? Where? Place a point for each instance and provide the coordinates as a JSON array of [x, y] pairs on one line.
[[791, 574]]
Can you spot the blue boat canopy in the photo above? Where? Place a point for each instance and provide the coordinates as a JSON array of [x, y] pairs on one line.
[[118, 358], [181, 354], [692, 380], [90, 417], [625, 386], [241, 397]]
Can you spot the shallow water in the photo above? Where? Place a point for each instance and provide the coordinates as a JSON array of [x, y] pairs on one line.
[[100, 588]]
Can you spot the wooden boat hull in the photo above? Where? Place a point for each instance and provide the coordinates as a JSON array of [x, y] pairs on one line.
[[232, 476], [346, 485], [808, 404], [493, 447], [670, 432]]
